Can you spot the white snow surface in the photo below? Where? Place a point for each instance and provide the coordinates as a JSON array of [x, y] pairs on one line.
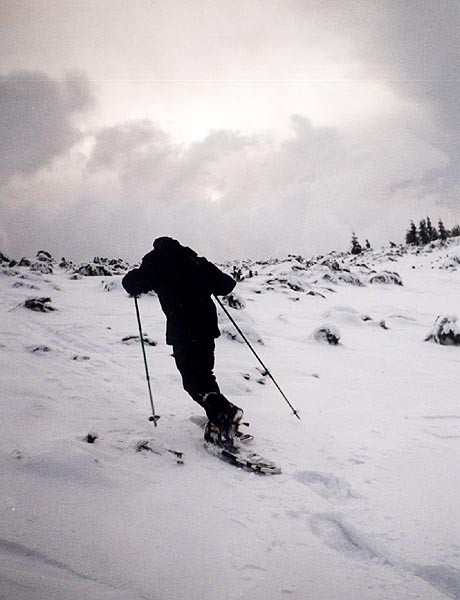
[[367, 505]]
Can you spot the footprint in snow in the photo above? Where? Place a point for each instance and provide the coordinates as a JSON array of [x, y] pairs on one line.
[[326, 485], [332, 530], [338, 535], [443, 427]]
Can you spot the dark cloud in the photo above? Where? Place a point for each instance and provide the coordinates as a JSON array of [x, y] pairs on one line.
[[122, 144], [37, 119], [414, 45]]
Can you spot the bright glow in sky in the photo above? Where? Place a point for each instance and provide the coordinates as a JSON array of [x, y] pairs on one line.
[[189, 110]]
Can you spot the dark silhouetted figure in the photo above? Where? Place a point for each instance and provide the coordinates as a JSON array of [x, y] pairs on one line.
[[184, 283]]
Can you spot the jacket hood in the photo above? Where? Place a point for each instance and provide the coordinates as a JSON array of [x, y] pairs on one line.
[[170, 248]]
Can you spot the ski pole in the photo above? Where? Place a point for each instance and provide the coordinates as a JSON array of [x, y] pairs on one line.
[[267, 371], [153, 416]]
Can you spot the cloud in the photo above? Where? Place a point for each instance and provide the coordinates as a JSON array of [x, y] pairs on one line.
[[389, 153], [37, 122], [413, 45], [228, 195]]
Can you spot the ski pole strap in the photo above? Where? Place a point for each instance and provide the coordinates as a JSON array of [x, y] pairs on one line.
[[266, 370], [155, 419]]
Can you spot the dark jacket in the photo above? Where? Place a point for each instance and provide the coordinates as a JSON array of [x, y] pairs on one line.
[[184, 283]]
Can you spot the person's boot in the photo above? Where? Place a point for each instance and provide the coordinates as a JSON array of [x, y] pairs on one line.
[[223, 428], [229, 426]]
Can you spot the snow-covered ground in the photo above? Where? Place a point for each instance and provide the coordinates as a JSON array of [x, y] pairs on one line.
[[367, 506]]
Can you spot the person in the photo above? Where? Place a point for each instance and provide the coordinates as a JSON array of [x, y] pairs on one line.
[[184, 283]]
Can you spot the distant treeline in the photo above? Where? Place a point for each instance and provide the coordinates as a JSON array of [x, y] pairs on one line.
[[426, 233], [415, 236]]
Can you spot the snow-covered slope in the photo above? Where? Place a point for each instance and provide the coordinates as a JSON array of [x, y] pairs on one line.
[[367, 505]]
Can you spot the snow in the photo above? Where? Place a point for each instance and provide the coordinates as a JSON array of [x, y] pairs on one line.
[[367, 504]]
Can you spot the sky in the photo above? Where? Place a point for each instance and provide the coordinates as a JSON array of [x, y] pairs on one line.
[[243, 129]]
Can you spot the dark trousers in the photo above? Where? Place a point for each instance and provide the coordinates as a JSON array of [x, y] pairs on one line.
[[195, 362]]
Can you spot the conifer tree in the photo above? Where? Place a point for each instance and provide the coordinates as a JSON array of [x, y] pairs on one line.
[[411, 235], [455, 231], [422, 232], [442, 231], [431, 232], [356, 247]]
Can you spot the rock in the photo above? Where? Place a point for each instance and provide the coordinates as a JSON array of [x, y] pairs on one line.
[[135, 339], [387, 278], [327, 333], [101, 266], [42, 267], [234, 301], [245, 324], [345, 315], [9, 272], [39, 304], [350, 278], [109, 286], [44, 256], [92, 270], [30, 286], [41, 349], [65, 264], [445, 331]]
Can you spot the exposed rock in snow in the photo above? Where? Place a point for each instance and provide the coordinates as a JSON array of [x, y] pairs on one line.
[[386, 277], [101, 266], [65, 264], [9, 272], [313, 293], [346, 314], [42, 267], [244, 323], [39, 304], [135, 339], [327, 333], [445, 331], [450, 262], [30, 286], [350, 278], [291, 282], [92, 270], [336, 276], [44, 256], [331, 264], [41, 349], [109, 286], [234, 300]]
